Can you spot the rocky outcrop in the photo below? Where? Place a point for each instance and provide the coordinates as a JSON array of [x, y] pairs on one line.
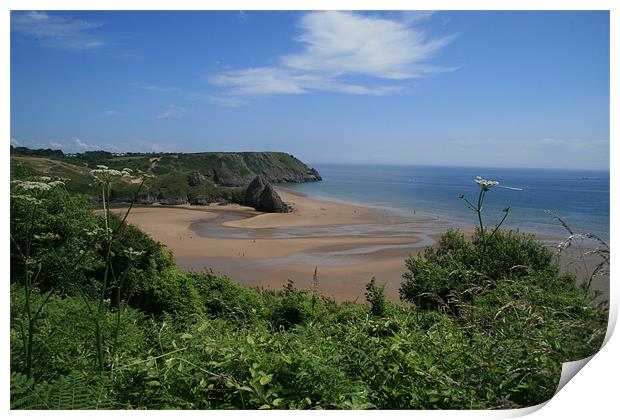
[[170, 200], [261, 195], [196, 179], [231, 172], [270, 201], [239, 169]]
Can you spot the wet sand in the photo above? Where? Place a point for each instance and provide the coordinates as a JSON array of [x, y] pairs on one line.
[[348, 244]]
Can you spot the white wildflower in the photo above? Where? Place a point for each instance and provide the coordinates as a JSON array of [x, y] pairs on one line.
[[111, 172], [104, 175], [45, 178], [27, 198], [486, 183], [133, 254], [31, 185], [56, 183], [48, 236], [93, 232]]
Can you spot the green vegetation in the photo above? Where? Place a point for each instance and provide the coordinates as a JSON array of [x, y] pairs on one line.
[[102, 318], [197, 178]]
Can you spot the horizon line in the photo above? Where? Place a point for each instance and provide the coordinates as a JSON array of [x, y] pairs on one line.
[[310, 163]]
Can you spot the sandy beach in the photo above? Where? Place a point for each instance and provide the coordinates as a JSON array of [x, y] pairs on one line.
[[348, 244]]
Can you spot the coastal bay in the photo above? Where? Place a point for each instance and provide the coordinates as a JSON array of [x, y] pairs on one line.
[[348, 244]]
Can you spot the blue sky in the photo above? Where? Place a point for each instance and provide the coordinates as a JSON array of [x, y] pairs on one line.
[[519, 89]]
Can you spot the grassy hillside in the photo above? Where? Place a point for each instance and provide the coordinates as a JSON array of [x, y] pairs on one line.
[[196, 178]]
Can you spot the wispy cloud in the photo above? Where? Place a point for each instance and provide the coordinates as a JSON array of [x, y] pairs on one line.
[[338, 46], [80, 145], [348, 43], [57, 31], [226, 101], [76, 145], [415, 16], [37, 144], [57, 145], [172, 111]]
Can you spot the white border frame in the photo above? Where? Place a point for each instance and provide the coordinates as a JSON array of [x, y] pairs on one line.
[[591, 394]]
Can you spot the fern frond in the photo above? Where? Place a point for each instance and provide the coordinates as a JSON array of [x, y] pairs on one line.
[[72, 392]]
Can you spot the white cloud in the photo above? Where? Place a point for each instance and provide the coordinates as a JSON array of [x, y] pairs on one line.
[[32, 144], [172, 111], [56, 31], [415, 16], [260, 81], [344, 42], [274, 80], [338, 46], [80, 145]]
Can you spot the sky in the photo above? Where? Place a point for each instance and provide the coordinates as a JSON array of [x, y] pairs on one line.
[[466, 88]]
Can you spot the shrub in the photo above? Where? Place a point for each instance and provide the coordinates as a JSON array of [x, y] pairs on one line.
[[64, 341], [161, 288], [290, 307], [53, 226], [451, 270], [224, 298], [375, 295]]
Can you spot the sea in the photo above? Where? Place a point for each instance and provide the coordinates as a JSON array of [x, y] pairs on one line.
[[579, 197]]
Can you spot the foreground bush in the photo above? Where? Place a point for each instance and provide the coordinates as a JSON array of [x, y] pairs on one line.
[[486, 323]]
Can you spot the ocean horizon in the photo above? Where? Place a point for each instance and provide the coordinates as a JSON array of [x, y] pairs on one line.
[[580, 197]]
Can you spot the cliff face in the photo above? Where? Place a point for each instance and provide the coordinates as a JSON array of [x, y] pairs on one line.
[[239, 169], [196, 178]]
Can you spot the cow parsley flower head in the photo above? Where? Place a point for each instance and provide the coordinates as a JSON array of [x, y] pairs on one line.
[[33, 188], [132, 254], [31, 185], [93, 232], [485, 184], [103, 175], [27, 198], [48, 236]]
